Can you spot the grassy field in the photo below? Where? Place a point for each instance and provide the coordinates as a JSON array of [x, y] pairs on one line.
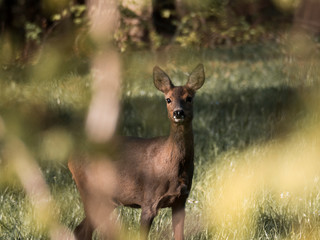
[[257, 170]]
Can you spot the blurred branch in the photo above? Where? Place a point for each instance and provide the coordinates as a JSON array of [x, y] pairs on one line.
[[103, 111], [14, 152], [307, 15], [104, 108]]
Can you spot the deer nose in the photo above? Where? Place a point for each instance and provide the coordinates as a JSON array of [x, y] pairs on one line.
[[178, 114]]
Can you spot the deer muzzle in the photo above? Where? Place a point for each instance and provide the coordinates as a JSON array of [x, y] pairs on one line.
[[178, 115]]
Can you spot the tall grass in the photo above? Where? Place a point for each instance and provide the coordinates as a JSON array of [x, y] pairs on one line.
[[256, 135]]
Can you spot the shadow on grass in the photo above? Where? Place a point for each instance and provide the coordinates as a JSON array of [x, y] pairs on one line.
[[272, 225], [222, 121], [232, 119]]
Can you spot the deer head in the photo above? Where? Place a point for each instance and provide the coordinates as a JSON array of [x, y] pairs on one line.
[[179, 98]]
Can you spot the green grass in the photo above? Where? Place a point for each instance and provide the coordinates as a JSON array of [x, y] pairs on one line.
[[249, 106]]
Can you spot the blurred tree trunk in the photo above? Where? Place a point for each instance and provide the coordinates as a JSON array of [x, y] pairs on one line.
[[164, 15], [14, 16], [308, 15], [254, 12], [5, 13]]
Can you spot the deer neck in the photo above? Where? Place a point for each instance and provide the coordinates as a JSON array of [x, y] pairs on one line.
[[181, 138]]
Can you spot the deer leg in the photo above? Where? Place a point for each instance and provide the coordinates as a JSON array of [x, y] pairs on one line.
[[147, 217], [84, 230], [178, 215]]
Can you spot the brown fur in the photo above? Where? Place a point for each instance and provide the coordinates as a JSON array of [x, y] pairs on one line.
[[150, 173]]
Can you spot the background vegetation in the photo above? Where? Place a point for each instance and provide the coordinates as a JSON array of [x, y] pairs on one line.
[[256, 119]]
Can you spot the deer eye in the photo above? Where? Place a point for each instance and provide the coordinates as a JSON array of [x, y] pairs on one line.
[[168, 100], [189, 99]]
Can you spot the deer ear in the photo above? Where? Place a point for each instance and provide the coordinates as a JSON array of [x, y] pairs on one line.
[[161, 80], [196, 78]]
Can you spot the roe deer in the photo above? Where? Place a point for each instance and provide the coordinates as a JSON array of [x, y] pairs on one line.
[[150, 173]]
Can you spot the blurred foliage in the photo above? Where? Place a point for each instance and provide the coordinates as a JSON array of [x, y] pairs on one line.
[[206, 24], [29, 25], [32, 32], [255, 123]]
